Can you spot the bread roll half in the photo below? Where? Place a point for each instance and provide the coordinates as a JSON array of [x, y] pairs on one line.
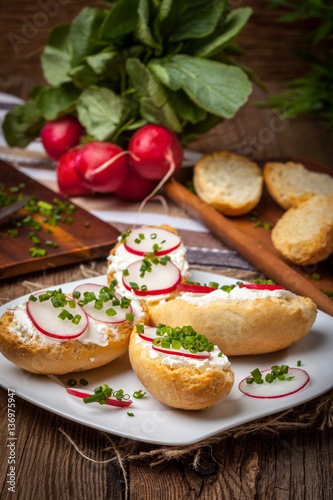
[[186, 387], [241, 327], [22, 344]]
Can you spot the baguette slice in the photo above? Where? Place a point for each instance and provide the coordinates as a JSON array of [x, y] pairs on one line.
[[288, 182], [304, 234], [230, 183]]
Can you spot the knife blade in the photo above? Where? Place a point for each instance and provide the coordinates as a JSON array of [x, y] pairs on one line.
[[8, 210]]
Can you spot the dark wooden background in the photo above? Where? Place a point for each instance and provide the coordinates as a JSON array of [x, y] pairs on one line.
[[289, 465]]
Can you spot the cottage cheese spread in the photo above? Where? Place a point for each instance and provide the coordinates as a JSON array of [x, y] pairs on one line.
[[96, 332], [175, 361], [122, 259], [236, 293]]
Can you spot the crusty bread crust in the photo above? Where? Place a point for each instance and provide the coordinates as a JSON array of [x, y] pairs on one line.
[[304, 234], [230, 183], [241, 327], [59, 358], [288, 182], [184, 387]]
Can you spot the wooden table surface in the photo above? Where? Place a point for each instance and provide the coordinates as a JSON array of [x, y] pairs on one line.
[[295, 465]]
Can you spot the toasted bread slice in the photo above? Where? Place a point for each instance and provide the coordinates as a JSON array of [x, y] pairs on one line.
[[304, 234], [288, 182], [230, 183]]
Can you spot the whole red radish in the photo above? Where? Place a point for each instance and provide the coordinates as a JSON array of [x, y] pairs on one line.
[[135, 187], [68, 181], [60, 135], [102, 166], [156, 151]]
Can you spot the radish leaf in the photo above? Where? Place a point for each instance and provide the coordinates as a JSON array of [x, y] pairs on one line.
[[216, 87], [100, 111]]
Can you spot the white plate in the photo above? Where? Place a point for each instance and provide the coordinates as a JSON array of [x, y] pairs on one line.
[[156, 423]]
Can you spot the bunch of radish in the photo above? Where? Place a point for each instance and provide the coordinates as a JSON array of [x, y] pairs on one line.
[[154, 153]]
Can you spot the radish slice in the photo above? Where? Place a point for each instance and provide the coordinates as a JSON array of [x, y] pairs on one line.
[[100, 315], [45, 318], [142, 240], [149, 333], [84, 393], [278, 388], [261, 286], [182, 352], [183, 287], [160, 280]]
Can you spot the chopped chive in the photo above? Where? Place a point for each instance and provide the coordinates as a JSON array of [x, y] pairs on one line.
[[130, 414], [316, 276], [110, 312], [299, 363], [71, 382], [129, 317], [140, 328], [138, 394]]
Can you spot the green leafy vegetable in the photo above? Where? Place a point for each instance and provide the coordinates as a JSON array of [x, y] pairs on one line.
[[133, 62]]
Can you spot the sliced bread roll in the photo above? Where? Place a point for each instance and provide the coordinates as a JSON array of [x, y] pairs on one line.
[[241, 322], [288, 182], [230, 183], [304, 234], [178, 381]]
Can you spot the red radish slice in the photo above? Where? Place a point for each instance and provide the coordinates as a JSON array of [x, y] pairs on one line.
[[84, 393], [149, 333], [100, 315], [182, 352], [183, 287], [261, 286], [278, 388], [45, 318], [151, 236], [161, 279]]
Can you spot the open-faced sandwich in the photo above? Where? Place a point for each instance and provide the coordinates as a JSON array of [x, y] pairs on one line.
[[54, 333], [179, 367], [240, 319], [148, 263]]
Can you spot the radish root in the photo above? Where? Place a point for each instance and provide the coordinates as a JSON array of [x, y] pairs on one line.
[[169, 157]]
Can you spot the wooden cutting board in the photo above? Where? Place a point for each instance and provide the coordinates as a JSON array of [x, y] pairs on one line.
[[254, 243], [86, 238]]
